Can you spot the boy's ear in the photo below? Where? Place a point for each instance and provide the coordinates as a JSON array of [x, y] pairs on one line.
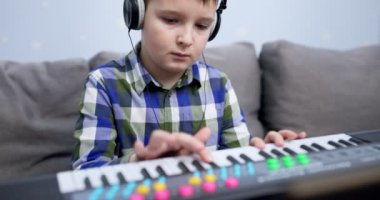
[[215, 27], [134, 11], [218, 18]]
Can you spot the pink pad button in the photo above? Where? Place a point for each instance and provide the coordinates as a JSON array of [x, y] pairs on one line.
[[209, 187], [162, 195], [231, 183], [137, 197], [186, 191]]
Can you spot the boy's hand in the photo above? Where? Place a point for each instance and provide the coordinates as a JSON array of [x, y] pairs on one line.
[[163, 143], [277, 137]]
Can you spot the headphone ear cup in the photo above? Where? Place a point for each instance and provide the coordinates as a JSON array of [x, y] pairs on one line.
[[134, 11], [215, 28]]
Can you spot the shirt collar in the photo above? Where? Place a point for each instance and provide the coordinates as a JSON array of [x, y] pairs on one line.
[[141, 77]]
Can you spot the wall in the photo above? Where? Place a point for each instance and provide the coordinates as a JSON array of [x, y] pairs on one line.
[[49, 29]]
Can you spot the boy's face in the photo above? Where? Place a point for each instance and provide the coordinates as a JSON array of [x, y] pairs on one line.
[[174, 34]]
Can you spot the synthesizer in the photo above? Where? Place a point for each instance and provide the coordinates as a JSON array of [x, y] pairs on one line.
[[239, 173]]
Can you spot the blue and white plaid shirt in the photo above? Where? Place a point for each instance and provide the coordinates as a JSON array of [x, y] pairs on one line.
[[123, 103]]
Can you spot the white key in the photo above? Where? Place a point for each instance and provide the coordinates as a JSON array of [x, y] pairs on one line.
[[111, 174], [94, 175], [66, 182], [170, 166], [187, 161], [131, 171], [253, 153], [151, 167], [79, 177]]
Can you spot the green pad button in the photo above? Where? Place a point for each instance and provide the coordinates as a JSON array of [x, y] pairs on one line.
[[288, 162], [303, 159], [273, 164]]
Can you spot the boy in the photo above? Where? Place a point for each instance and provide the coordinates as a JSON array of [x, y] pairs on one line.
[[154, 102]]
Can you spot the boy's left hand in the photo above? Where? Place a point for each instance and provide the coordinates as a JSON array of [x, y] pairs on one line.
[[276, 137]]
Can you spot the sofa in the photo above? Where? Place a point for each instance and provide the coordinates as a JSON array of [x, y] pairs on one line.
[[286, 86]]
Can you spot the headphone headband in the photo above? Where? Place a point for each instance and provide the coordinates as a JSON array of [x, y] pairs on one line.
[[134, 11]]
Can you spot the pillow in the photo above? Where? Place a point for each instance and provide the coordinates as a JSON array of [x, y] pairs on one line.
[[239, 62], [38, 111], [318, 90]]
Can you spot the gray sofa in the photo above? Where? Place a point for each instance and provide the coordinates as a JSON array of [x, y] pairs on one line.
[[288, 85]]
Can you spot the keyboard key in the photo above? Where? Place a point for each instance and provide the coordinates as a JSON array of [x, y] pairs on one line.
[[319, 147], [308, 149], [334, 144]]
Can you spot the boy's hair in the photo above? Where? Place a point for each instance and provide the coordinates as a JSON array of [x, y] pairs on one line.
[[203, 1], [134, 11]]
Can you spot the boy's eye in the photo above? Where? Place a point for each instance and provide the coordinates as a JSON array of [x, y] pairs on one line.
[[169, 20], [202, 26]]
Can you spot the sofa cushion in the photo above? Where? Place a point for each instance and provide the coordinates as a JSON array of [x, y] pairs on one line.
[[38, 111], [239, 62], [318, 90]]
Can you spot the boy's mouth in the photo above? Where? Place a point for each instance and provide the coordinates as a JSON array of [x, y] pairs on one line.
[[181, 56]]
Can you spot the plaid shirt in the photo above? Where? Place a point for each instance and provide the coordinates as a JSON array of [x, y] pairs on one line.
[[123, 103]]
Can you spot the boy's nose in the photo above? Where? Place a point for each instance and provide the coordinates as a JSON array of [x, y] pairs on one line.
[[185, 37]]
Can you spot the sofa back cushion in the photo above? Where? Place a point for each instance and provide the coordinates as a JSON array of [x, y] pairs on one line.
[[38, 111], [238, 60], [318, 90]]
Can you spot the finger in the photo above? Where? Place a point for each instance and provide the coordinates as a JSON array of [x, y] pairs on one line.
[[257, 142], [288, 134], [205, 155], [160, 143], [302, 135], [139, 150], [203, 135], [184, 152], [274, 137], [194, 145]]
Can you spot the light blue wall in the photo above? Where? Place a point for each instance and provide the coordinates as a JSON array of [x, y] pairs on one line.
[[37, 30]]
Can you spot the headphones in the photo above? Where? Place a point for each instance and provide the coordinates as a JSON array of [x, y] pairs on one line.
[[134, 11]]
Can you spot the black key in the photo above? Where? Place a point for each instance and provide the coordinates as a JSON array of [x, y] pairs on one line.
[[356, 141], [213, 165], [334, 144], [161, 171], [265, 154], [345, 143], [104, 180], [198, 165], [183, 167], [319, 147], [233, 160], [278, 153], [146, 174], [245, 158], [290, 151], [87, 183], [121, 178], [307, 148]]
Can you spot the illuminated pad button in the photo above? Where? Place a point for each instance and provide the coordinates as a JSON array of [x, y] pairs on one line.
[[186, 191], [195, 181], [302, 159], [209, 187], [210, 178], [287, 161], [143, 190], [137, 197], [273, 164], [231, 183], [159, 186], [162, 195]]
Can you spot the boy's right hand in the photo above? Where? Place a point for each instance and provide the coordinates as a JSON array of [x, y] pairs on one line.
[[177, 144]]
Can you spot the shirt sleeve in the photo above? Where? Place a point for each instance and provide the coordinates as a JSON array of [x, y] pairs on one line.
[[235, 131], [95, 133]]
